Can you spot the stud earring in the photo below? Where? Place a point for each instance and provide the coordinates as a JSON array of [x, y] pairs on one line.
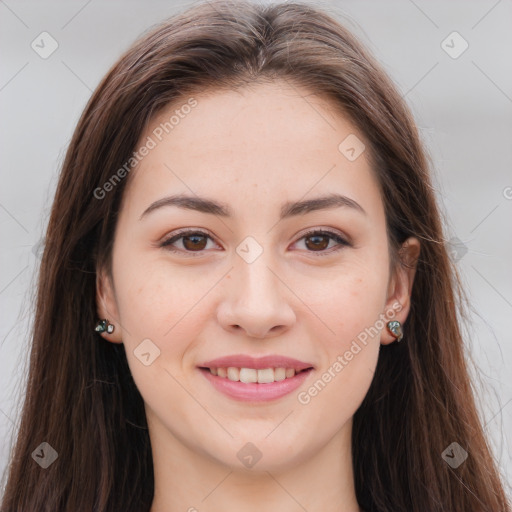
[[395, 327], [104, 326]]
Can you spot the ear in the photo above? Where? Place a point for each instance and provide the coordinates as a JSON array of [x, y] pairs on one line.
[[106, 306], [400, 286]]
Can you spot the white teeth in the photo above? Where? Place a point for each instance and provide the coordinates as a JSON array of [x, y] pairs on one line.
[[280, 374], [290, 372], [233, 373], [265, 376], [248, 375]]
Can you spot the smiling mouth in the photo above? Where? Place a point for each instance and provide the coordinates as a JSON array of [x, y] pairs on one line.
[[253, 375]]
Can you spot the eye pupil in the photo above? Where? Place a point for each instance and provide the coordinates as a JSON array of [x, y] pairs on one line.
[[316, 243], [194, 244]]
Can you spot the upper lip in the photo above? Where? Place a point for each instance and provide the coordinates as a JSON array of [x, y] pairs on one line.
[[246, 361]]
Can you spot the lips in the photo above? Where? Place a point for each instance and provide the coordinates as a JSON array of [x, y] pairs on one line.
[[251, 379]]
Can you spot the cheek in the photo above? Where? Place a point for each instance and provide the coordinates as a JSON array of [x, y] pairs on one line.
[[347, 302], [149, 291], [351, 306], [162, 303], [159, 304]]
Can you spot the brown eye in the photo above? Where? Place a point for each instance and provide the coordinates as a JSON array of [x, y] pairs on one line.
[[191, 242], [194, 242], [318, 242]]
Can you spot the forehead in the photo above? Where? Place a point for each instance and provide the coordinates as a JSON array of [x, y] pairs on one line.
[[273, 139], [261, 116]]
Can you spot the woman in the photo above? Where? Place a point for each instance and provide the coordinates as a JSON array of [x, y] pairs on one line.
[[245, 298]]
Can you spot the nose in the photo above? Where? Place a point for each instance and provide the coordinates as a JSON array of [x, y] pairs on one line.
[[256, 300]]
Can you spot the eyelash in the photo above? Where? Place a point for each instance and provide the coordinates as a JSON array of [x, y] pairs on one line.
[[190, 232]]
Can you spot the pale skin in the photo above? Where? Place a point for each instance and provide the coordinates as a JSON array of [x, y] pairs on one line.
[[253, 150]]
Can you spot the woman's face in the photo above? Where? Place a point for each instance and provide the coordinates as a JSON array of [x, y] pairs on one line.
[[274, 272]]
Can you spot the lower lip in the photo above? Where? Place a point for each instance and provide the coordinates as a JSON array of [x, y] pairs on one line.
[[253, 391]]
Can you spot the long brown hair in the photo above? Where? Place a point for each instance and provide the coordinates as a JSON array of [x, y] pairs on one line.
[[81, 398]]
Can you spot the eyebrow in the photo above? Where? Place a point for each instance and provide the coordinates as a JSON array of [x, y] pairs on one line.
[[289, 209]]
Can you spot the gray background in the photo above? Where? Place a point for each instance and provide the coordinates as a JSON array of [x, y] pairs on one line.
[[462, 105]]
